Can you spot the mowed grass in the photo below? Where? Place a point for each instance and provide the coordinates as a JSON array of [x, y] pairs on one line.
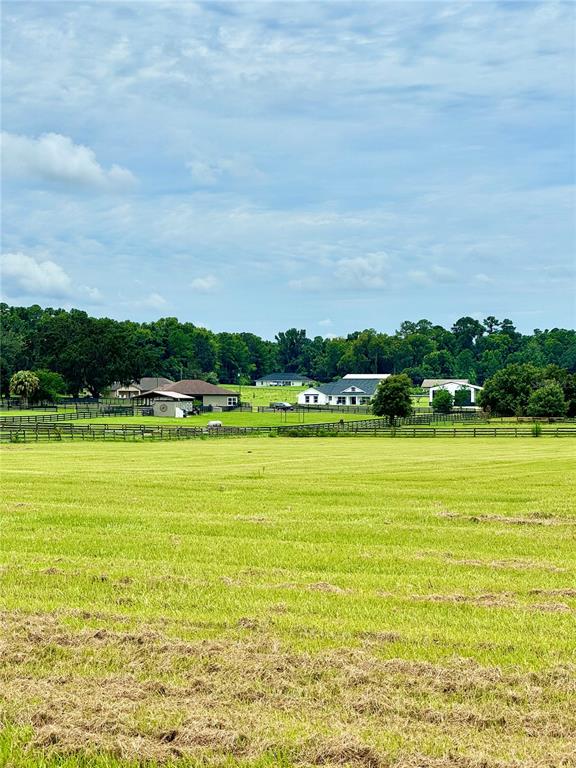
[[237, 419], [289, 602], [266, 395]]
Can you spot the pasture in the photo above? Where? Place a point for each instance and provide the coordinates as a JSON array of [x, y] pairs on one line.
[[240, 418], [265, 395], [289, 603]]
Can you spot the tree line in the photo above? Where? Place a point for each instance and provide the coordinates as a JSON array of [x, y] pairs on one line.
[[91, 353]]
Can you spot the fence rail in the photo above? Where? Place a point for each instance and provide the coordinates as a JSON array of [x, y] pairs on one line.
[[44, 431]]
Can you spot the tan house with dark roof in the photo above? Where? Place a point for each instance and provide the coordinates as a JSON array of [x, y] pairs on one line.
[[190, 392]]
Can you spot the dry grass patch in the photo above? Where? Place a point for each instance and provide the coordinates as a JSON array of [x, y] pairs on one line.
[[148, 695]]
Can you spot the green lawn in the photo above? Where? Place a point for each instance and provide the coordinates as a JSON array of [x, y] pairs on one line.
[[266, 395], [286, 603], [236, 419]]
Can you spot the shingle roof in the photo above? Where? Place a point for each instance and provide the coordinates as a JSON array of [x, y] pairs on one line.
[[284, 377], [193, 387]]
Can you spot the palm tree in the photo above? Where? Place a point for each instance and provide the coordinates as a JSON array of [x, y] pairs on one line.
[[24, 384]]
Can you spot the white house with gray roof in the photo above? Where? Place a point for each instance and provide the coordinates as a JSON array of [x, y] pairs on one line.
[[283, 380], [353, 389]]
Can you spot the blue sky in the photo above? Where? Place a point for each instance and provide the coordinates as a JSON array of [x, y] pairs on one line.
[[255, 166]]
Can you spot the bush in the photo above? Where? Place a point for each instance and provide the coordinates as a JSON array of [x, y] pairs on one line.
[[442, 401], [547, 401]]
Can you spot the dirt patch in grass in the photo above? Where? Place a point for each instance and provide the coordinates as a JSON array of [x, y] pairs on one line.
[[498, 600], [535, 519], [324, 586], [517, 565], [144, 694]]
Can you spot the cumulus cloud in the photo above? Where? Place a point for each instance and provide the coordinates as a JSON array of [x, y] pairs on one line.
[[23, 275], [371, 271], [53, 157], [205, 284]]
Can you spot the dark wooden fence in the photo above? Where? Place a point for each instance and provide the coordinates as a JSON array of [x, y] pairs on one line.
[[45, 431]]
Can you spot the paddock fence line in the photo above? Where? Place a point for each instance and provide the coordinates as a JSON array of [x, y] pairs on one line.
[[47, 432]]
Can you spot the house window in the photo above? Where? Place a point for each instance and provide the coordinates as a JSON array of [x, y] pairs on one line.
[[315, 398], [231, 401], [340, 401], [306, 398], [352, 401]]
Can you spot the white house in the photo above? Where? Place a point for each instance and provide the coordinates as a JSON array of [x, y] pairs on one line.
[[353, 389], [283, 380], [452, 386]]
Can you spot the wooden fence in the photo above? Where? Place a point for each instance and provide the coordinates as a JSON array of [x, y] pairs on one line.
[[45, 431]]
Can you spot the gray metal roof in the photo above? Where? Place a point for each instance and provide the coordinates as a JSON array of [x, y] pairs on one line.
[[363, 386], [284, 377], [427, 383], [145, 383]]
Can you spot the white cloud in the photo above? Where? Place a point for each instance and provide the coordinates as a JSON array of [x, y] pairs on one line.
[[483, 279], [436, 274], [153, 301], [210, 172], [370, 271], [92, 295], [306, 284], [205, 284], [23, 275], [53, 157], [325, 323]]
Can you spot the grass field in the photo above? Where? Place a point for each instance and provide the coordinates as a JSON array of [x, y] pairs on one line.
[[238, 418], [266, 395], [288, 603]]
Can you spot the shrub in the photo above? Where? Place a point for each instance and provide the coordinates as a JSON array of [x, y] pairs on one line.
[[442, 401], [547, 401]]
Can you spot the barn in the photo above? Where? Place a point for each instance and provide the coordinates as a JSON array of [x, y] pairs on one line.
[[189, 393]]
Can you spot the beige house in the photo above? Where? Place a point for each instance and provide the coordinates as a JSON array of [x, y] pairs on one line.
[[191, 392], [135, 388]]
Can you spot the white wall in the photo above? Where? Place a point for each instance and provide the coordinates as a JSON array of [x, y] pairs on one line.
[[453, 387], [314, 397], [280, 383]]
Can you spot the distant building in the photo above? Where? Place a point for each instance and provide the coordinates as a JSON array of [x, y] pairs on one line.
[[283, 380], [452, 386], [125, 391], [352, 389], [191, 392]]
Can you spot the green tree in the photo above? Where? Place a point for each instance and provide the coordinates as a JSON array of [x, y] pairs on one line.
[[442, 401], [291, 344], [508, 391], [50, 386], [24, 384], [547, 401], [462, 397], [393, 397]]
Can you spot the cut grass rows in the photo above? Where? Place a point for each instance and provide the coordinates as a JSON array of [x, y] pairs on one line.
[[257, 603]]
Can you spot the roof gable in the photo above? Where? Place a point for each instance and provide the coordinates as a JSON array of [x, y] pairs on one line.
[[193, 387]]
